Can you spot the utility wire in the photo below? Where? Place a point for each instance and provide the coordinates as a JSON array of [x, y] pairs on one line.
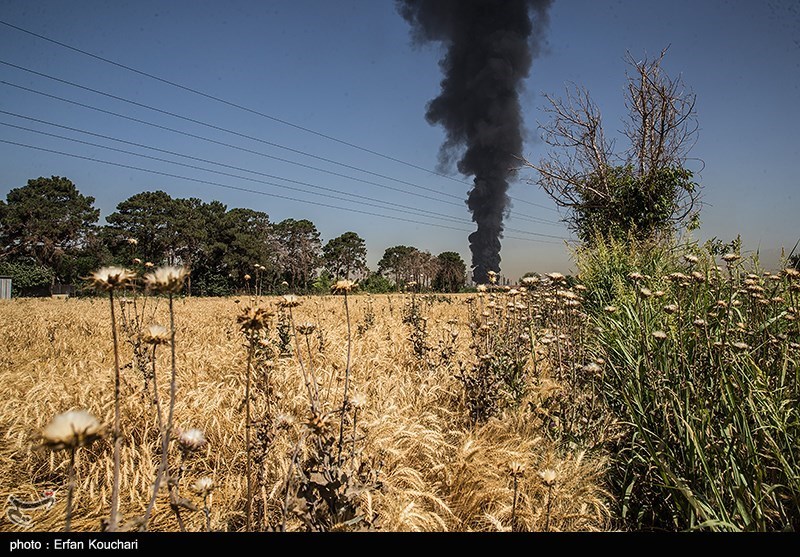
[[207, 161], [257, 192], [250, 110], [369, 201], [259, 153]]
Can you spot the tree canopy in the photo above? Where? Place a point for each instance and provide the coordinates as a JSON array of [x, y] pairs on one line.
[[645, 189], [47, 222], [49, 233], [345, 255]]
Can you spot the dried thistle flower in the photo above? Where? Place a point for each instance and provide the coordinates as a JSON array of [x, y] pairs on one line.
[[358, 401], [253, 319], [529, 280], [636, 276], [342, 286], [167, 279], [111, 278], [592, 367], [247, 277], [699, 323], [156, 334], [741, 345], [191, 439], [318, 423], [289, 301], [548, 477], [132, 241], [645, 292], [148, 264], [555, 277], [671, 308], [690, 258], [481, 288], [283, 420], [203, 486], [610, 309], [492, 276], [791, 273], [137, 261], [306, 328], [516, 469], [731, 257], [71, 429], [698, 277], [677, 277], [659, 335]]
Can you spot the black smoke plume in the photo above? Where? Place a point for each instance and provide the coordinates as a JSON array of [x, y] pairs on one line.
[[490, 45]]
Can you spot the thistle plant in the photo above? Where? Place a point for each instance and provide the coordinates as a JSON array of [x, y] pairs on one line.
[[189, 442], [344, 287], [516, 471], [155, 336], [70, 431], [204, 487], [251, 321], [549, 479], [169, 281], [110, 279]]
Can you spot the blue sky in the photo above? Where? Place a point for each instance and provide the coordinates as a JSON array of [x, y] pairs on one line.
[[347, 69]]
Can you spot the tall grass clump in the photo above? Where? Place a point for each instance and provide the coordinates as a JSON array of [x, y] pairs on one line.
[[701, 364]]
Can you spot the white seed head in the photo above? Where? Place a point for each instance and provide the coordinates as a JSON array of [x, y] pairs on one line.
[[167, 279], [71, 429], [156, 334], [358, 401], [203, 486], [111, 278], [343, 286], [191, 439], [548, 477], [289, 301]]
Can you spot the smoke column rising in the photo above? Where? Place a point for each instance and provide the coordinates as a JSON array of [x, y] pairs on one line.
[[490, 45]]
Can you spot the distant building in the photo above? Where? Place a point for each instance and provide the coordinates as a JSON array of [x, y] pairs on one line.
[[5, 287]]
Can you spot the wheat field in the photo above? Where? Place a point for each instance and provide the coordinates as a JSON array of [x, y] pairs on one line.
[[429, 467]]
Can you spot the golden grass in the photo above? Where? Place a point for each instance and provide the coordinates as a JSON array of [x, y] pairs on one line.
[[437, 473]]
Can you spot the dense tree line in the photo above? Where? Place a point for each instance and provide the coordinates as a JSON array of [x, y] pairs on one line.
[[49, 234]]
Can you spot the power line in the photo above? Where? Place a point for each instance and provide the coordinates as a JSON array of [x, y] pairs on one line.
[[415, 210], [222, 143], [229, 145], [365, 200], [257, 192], [250, 110], [369, 201], [215, 127]]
